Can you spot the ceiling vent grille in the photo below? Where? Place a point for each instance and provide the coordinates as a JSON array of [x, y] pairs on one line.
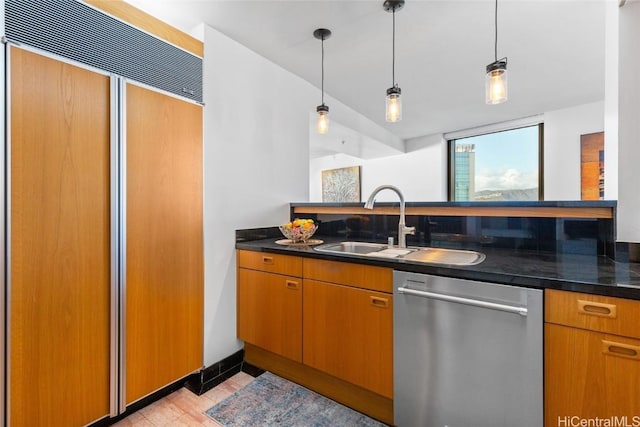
[[79, 32]]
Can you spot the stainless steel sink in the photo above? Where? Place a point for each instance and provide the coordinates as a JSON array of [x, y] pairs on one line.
[[446, 256], [355, 248], [416, 254]]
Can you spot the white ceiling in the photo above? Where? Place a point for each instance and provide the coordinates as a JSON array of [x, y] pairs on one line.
[[555, 50]]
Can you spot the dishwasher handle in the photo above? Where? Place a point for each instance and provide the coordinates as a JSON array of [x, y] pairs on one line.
[[522, 311]]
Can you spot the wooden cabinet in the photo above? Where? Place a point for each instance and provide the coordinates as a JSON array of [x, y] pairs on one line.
[[349, 274], [164, 251], [65, 298], [348, 334], [592, 357], [59, 281], [348, 322], [270, 263], [270, 305], [271, 313], [326, 325]]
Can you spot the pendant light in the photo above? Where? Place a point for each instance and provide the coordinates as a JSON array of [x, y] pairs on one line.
[[496, 77], [322, 125], [394, 100]]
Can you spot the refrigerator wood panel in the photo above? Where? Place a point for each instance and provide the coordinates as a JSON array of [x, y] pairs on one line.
[[59, 246], [164, 265]]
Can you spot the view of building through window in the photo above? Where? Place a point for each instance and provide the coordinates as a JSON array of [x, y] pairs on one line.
[[496, 166]]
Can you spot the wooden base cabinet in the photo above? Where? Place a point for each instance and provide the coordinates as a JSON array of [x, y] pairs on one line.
[[326, 325], [348, 334], [271, 314], [348, 322], [590, 375], [270, 303], [590, 372]]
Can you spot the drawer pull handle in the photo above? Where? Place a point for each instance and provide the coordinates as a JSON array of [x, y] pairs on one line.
[[292, 284], [267, 259], [379, 302], [597, 309], [621, 350]]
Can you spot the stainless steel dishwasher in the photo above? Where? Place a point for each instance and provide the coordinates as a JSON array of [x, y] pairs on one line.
[[466, 353]]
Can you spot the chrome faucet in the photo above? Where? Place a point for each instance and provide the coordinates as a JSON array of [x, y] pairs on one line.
[[403, 230]]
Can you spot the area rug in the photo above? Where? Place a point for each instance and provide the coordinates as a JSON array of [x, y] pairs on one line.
[[273, 401]]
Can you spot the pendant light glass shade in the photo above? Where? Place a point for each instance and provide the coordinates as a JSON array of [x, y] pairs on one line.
[[322, 126], [496, 82], [394, 104]]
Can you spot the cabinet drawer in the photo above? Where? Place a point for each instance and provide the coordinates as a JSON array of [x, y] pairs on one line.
[[346, 273], [594, 312], [272, 263]]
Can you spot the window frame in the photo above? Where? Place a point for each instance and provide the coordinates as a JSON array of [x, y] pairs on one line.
[[451, 140]]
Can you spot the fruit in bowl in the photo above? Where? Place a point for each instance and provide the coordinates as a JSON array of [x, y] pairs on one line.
[[299, 230]]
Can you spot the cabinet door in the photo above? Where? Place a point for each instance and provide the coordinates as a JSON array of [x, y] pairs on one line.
[[270, 312], [348, 334], [59, 261], [164, 267], [590, 375]]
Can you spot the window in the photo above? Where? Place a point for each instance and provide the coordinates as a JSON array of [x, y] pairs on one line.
[[505, 165]]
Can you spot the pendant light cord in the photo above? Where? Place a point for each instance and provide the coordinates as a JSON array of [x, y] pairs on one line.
[[322, 83], [393, 51], [496, 28]]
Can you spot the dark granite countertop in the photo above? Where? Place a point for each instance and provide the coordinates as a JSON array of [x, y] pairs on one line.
[[580, 273]]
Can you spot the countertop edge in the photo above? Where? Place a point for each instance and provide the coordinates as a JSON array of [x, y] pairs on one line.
[[467, 272]]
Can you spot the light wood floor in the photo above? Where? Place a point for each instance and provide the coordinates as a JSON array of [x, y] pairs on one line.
[[184, 408]]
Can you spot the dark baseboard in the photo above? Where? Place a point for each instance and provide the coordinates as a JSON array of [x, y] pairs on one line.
[[145, 401], [221, 371], [104, 422], [254, 371], [198, 383], [215, 374]]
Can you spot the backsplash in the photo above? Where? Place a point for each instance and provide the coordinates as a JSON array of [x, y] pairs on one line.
[[591, 236], [627, 252]]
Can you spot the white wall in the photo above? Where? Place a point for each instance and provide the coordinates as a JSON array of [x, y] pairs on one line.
[[611, 67], [629, 125], [418, 173], [562, 130], [254, 113], [256, 161]]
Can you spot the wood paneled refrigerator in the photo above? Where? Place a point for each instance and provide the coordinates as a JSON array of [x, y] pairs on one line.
[[104, 272]]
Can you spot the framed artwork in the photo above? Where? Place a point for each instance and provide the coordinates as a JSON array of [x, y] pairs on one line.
[[592, 166], [341, 185]]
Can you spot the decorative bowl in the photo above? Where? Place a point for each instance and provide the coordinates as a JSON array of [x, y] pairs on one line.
[[299, 230]]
